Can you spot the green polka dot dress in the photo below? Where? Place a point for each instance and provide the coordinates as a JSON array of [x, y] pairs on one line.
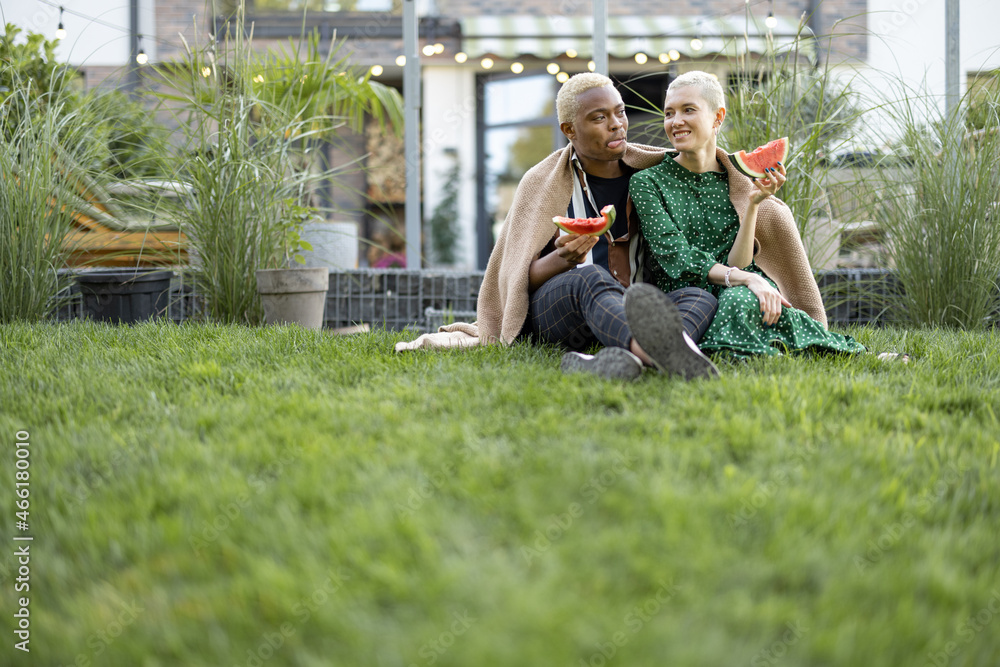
[[690, 225]]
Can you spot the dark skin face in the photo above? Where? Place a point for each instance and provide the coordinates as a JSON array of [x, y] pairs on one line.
[[598, 133]]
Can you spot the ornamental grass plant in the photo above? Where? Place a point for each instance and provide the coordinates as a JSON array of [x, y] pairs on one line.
[[936, 195], [788, 94], [42, 150]]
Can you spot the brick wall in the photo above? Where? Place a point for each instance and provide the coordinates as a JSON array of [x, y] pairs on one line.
[[180, 17]]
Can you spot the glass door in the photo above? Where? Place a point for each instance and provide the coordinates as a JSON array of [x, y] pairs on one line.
[[517, 128]]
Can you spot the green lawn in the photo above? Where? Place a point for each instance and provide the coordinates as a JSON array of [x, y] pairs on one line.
[[210, 495]]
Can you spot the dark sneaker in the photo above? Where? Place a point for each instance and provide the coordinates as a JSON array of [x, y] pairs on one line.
[[657, 327], [611, 363]]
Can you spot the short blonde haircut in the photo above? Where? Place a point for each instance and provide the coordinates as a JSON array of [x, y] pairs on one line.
[[567, 101], [708, 86]]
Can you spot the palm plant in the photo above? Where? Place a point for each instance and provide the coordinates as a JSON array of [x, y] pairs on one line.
[[254, 124]]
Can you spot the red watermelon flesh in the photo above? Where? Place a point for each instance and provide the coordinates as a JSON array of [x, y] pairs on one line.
[[587, 226], [755, 163]]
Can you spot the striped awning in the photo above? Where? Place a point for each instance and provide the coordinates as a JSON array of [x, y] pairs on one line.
[[549, 36]]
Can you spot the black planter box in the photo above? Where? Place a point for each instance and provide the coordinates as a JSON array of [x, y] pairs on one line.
[[124, 296]]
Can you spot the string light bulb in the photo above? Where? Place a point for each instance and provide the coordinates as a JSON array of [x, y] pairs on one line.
[[591, 65], [664, 58], [438, 48], [461, 57], [516, 68], [674, 54], [552, 68], [428, 50], [696, 44], [641, 58], [571, 53], [376, 70], [400, 61], [487, 63], [140, 56], [770, 21], [562, 77], [60, 31]]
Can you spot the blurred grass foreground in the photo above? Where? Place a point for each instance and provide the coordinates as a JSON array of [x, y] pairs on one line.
[[222, 495]]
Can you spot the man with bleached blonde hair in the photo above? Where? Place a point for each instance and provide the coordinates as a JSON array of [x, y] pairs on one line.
[[570, 289]]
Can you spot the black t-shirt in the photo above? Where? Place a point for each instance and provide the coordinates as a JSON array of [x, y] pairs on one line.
[[608, 191]]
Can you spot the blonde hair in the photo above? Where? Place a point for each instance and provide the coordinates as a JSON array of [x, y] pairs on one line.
[[567, 102], [708, 86]]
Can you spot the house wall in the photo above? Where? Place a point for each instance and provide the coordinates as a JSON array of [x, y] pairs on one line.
[[908, 41]]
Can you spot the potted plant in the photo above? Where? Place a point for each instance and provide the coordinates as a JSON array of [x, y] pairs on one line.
[[294, 294], [254, 125]]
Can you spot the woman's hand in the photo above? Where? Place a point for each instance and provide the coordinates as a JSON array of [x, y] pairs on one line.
[[573, 248], [769, 185], [771, 300]]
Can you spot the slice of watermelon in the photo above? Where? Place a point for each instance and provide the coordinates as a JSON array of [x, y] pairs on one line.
[[588, 226], [755, 163]]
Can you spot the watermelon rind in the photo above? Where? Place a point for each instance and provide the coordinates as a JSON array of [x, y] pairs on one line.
[[749, 164], [566, 224]]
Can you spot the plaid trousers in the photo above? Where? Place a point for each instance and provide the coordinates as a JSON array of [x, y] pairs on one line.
[[585, 305]]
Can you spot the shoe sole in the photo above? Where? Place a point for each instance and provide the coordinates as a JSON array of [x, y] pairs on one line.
[[657, 327], [611, 363]]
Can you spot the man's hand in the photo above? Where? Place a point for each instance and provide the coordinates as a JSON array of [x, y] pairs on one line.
[[573, 248]]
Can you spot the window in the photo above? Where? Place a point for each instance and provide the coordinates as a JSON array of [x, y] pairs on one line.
[[517, 129]]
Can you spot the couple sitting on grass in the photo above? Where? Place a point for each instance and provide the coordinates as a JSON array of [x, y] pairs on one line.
[[724, 254]]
